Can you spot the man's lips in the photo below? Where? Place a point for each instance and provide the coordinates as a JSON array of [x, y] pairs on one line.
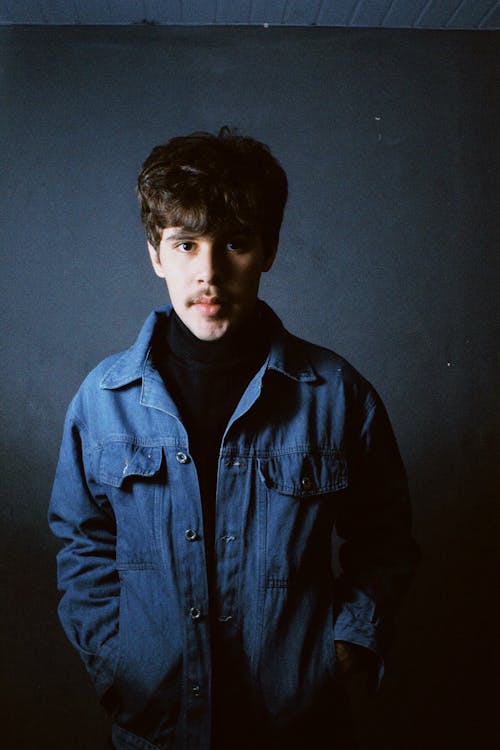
[[209, 306]]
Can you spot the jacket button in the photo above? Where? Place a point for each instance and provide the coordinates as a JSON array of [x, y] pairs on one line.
[[196, 690], [195, 613], [182, 458], [191, 535], [306, 483]]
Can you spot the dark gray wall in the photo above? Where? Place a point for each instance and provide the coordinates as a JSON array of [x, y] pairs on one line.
[[386, 256]]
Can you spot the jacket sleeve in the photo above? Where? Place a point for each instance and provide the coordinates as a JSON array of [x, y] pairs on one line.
[[378, 556], [87, 574]]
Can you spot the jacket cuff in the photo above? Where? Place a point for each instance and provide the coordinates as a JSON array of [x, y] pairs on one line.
[[361, 634]]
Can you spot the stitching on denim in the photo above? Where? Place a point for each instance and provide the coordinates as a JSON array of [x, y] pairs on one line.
[[138, 442], [277, 583], [307, 449], [137, 566]]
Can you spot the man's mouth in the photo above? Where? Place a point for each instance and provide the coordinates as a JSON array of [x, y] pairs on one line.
[[208, 306]]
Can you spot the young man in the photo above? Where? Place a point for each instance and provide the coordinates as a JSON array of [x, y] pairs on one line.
[[202, 473]]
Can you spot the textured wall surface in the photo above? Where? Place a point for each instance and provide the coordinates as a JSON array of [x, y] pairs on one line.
[[386, 256], [421, 14]]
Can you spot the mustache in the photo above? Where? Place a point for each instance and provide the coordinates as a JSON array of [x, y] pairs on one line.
[[214, 296]]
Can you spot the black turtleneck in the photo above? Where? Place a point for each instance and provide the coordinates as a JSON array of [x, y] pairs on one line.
[[206, 380]]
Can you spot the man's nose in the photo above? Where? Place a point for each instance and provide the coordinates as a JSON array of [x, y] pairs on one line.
[[210, 265]]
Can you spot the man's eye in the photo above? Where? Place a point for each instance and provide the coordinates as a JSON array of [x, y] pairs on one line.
[[185, 246], [234, 245]]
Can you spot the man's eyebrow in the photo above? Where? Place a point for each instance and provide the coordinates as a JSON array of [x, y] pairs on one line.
[[236, 231], [182, 234]]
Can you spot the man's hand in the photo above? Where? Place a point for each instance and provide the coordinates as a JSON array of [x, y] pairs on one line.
[[358, 667], [347, 657]]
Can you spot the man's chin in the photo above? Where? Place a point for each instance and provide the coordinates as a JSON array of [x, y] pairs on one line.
[[210, 329]]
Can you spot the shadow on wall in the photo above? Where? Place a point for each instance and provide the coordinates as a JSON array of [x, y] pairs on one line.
[[438, 693], [48, 702]]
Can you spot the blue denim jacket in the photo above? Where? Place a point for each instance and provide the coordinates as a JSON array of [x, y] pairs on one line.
[[308, 448]]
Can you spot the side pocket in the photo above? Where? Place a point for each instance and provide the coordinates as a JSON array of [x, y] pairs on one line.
[[125, 740], [147, 686], [110, 699]]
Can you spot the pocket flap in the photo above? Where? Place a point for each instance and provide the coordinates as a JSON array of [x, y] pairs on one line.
[[119, 460], [305, 474]]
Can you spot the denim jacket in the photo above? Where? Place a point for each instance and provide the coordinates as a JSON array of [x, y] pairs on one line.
[[308, 449]]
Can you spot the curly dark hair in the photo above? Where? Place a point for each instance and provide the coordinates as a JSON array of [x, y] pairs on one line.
[[204, 182]]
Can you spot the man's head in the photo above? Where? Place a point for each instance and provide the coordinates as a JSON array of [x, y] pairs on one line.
[[212, 207], [203, 182]]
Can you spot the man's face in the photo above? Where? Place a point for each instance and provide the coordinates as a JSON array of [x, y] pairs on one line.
[[212, 279]]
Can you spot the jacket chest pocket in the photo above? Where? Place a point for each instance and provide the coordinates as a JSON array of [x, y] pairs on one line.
[[119, 462], [305, 474], [132, 477], [300, 501]]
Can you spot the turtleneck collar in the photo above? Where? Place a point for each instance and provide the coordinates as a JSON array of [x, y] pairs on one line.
[[247, 343]]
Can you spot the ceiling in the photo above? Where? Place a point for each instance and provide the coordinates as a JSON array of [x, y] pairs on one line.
[[416, 14]]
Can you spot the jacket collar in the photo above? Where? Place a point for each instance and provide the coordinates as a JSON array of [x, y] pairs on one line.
[[286, 354], [131, 363]]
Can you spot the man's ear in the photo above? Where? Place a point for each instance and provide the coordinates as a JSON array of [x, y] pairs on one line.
[[154, 256], [269, 257]]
